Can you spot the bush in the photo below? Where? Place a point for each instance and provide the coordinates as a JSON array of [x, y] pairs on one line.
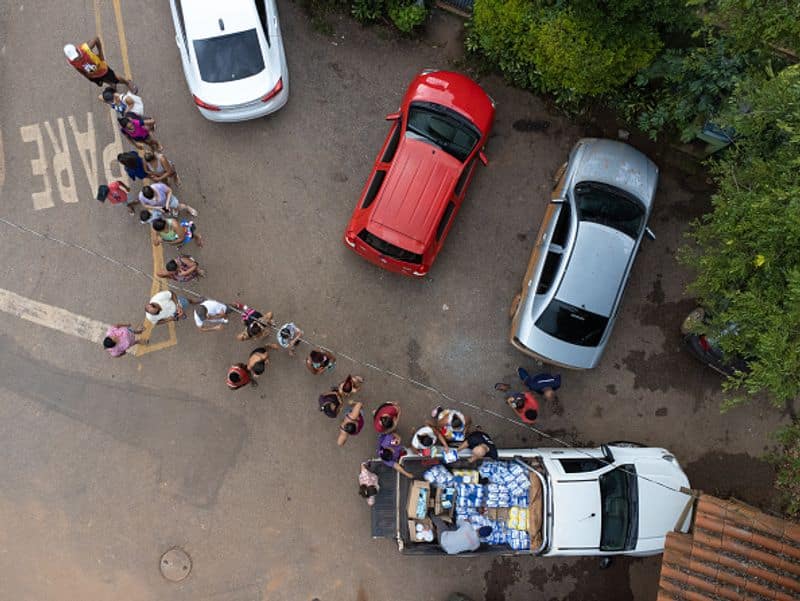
[[580, 55], [788, 465], [571, 49], [367, 11], [407, 16], [747, 251]]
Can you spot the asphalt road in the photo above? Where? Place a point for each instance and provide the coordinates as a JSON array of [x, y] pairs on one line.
[[107, 464]]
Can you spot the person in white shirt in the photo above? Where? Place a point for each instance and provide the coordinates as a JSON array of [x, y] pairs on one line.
[[465, 537], [166, 306], [210, 315]]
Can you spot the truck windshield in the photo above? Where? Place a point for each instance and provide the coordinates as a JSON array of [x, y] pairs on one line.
[[619, 495]]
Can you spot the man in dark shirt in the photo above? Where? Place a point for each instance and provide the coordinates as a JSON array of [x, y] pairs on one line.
[[481, 444]]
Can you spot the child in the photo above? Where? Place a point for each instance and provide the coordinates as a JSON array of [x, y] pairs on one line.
[[350, 386], [525, 405], [238, 376], [368, 486], [117, 193]]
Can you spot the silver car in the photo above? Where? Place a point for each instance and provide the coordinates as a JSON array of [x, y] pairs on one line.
[[584, 253]]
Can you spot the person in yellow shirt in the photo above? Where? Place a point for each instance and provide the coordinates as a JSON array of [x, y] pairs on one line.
[[89, 61]]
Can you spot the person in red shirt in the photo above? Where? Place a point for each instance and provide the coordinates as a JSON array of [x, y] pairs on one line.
[[238, 376], [117, 193], [525, 406], [89, 61]]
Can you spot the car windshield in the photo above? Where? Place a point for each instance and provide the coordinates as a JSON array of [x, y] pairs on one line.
[[572, 324], [609, 206], [229, 57], [444, 128], [619, 495]]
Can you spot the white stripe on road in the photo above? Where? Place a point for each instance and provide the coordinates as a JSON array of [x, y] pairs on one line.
[[52, 317]]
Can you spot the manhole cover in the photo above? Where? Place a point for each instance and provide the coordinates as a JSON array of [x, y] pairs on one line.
[[175, 564]]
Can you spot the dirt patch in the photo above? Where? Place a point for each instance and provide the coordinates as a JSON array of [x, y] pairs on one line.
[[741, 476], [591, 583], [500, 577], [656, 295], [530, 125]]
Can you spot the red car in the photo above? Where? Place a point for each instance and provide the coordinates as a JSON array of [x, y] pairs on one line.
[[422, 173]]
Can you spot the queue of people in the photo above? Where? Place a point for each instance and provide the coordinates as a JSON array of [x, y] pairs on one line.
[[444, 435]]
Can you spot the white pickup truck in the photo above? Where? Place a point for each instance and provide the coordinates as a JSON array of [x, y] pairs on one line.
[[618, 499]]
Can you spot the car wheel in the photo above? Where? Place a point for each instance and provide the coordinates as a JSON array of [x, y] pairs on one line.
[[512, 310], [606, 562], [626, 444]]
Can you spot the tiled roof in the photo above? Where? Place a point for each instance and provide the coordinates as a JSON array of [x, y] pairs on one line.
[[734, 552]]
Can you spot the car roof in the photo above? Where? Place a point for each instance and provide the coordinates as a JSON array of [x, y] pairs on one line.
[[202, 17], [600, 256], [417, 187]]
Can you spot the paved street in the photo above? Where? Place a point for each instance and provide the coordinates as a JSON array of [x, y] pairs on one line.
[[109, 463]]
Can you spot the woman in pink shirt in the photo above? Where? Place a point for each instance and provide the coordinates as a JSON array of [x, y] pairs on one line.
[[119, 338]]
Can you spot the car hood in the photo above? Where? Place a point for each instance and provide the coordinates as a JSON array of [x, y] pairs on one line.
[[597, 268], [660, 503], [576, 515], [413, 196], [619, 165]]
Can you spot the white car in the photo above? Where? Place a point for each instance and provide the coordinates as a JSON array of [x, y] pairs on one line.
[[618, 499], [232, 55]]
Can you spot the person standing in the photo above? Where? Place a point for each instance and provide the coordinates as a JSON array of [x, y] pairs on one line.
[[368, 486], [390, 451], [481, 444], [319, 361], [120, 337], [423, 442], [238, 376], [386, 418], [159, 168], [174, 232], [122, 103], [256, 325], [352, 424], [450, 425], [544, 383], [117, 193], [133, 164], [182, 268], [88, 59], [160, 196], [259, 359], [138, 131], [210, 315], [166, 306], [289, 337], [350, 386], [330, 403]]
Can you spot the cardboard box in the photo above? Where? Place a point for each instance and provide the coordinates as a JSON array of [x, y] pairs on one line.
[[418, 490], [437, 504], [412, 530]]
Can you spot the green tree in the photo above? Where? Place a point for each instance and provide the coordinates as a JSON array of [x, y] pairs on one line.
[[747, 250]]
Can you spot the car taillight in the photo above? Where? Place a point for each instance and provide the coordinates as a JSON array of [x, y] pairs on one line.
[[275, 91], [703, 342], [205, 105]]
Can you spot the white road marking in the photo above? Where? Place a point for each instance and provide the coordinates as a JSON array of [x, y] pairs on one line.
[[52, 317], [39, 166]]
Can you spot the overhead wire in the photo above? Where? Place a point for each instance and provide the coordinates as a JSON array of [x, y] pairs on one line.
[[694, 495]]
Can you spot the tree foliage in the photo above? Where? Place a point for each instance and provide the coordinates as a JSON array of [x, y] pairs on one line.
[[572, 49], [747, 250]]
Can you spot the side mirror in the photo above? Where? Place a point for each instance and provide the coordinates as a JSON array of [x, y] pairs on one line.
[[607, 454], [649, 233], [483, 158], [393, 117]]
